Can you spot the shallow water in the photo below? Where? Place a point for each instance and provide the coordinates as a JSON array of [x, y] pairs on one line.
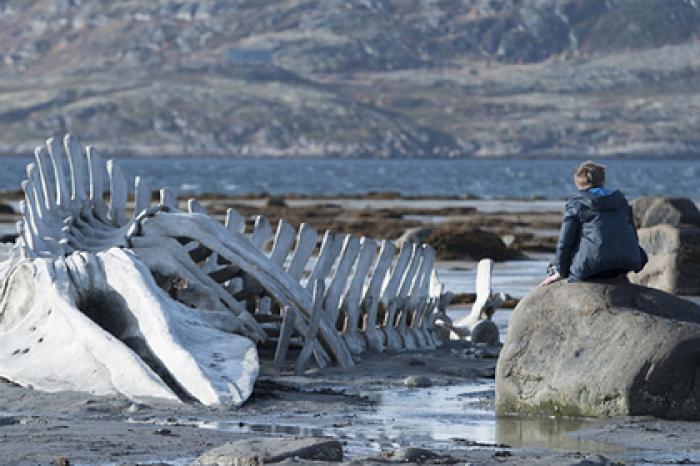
[[451, 417], [441, 417], [483, 205], [513, 277]]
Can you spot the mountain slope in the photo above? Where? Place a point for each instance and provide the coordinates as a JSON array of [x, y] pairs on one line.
[[386, 78]]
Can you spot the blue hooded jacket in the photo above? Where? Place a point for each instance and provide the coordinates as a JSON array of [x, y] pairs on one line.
[[598, 236]]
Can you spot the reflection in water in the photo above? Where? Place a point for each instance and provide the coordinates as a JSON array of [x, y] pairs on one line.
[[551, 433], [445, 417]]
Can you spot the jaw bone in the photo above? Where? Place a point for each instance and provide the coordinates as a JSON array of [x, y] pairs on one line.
[[80, 311], [105, 327]]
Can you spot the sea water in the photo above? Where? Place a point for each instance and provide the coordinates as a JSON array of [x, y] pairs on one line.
[[485, 178]]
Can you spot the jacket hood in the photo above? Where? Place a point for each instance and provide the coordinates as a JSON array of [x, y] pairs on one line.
[[602, 200]]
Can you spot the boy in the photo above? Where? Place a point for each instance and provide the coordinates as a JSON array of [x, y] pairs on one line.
[[598, 238]]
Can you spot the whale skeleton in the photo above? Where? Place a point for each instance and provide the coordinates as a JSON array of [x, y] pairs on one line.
[[154, 301]]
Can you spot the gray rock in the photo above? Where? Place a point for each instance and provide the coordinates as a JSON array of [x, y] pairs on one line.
[[256, 451], [486, 332], [8, 238], [651, 211], [601, 349], [421, 456], [416, 235], [8, 421], [597, 460], [457, 240], [276, 201], [417, 381], [408, 455], [136, 408], [674, 259]]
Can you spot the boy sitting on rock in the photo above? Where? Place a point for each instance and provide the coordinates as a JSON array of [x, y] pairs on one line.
[[598, 238]]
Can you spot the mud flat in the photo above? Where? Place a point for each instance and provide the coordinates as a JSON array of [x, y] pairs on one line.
[[463, 228], [438, 400]]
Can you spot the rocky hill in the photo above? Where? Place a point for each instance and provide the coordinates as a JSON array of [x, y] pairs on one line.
[[376, 78]]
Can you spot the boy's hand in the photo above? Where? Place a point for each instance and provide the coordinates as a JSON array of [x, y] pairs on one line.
[[551, 279]]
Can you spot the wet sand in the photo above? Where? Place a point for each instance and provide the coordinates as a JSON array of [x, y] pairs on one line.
[[369, 408], [369, 413]]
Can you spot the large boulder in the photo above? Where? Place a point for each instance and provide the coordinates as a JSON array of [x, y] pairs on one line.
[[650, 211], [674, 259], [601, 349]]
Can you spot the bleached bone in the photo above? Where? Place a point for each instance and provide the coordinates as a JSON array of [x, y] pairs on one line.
[[330, 248], [248, 257], [77, 168], [179, 279], [374, 336], [351, 248], [56, 154], [211, 264], [40, 156], [142, 198], [107, 336], [419, 292], [478, 324], [285, 335], [391, 301], [194, 207], [262, 232], [406, 303], [168, 198], [314, 322], [234, 221], [306, 242], [118, 194], [354, 339], [282, 244]]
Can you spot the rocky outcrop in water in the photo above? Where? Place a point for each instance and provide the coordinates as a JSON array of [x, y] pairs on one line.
[[456, 241], [601, 349], [670, 235]]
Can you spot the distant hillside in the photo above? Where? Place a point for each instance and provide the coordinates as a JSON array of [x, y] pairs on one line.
[[377, 78]]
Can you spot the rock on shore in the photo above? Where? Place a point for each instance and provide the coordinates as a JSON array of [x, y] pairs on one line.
[[650, 211], [674, 259], [670, 234], [455, 241], [601, 349], [253, 452]]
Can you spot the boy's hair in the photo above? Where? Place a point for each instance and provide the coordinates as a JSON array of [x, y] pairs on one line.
[[589, 175]]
